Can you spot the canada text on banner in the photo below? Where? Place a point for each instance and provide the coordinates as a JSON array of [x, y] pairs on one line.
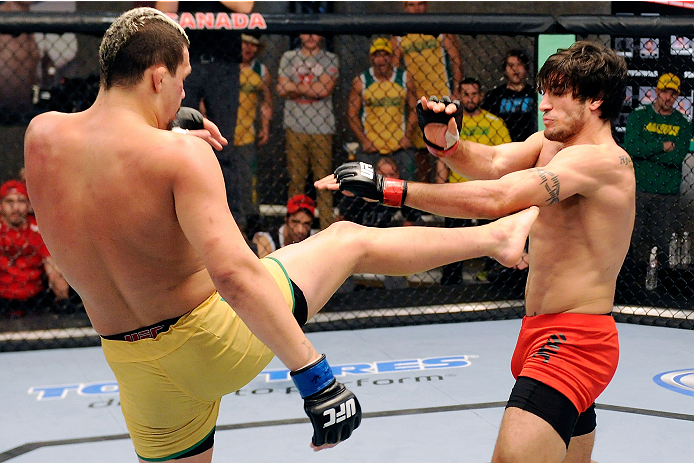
[[218, 21]]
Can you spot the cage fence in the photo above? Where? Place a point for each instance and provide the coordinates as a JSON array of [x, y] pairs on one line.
[[368, 68]]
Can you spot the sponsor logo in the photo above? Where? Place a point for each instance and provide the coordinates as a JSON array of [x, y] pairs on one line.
[[551, 347], [96, 389], [681, 381], [367, 170], [347, 410], [390, 366]]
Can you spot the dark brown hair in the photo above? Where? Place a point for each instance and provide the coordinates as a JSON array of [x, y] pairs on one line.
[[522, 57], [137, 40], [590, 71]]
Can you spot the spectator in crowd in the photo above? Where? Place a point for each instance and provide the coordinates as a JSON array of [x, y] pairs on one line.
[[657, 138], [516, 100], [301, 210], [436, 67], [213, 86], [373, 214], [306, 80], [24, 261], [649, 48], [648, 96], [19, 58], [254, 90], [381, 110], [479, 126]]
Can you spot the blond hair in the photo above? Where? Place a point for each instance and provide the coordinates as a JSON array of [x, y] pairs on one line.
[[138, 39]]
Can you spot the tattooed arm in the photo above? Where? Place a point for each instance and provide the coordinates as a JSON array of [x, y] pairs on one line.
[[578, 170]]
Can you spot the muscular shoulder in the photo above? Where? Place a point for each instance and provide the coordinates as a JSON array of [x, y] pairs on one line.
[[183, 153], [47, 124], [608, 163]]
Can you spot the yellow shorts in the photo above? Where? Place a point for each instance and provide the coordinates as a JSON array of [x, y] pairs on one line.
[[171, 386]]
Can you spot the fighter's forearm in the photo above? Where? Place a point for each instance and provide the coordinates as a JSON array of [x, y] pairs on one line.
[[473, 160], [480, 200]]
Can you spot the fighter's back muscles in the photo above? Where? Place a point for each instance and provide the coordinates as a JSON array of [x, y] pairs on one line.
[[120, 261], [110, 228]]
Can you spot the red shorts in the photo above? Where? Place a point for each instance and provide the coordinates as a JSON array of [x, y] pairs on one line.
[[574, 353]]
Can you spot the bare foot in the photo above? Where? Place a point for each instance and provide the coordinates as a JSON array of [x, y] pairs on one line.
[[512, 231]]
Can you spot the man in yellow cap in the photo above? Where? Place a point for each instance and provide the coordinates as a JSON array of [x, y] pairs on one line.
[[657, 139], [381, 110], [436, 68]]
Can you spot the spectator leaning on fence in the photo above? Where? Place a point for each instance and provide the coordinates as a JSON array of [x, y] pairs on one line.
[[301, 210], [435, 65], [515, 101], [213, 86], [306, 80], [381, 110], [479, 126], [657, 139], [25, 263], [254, 90]]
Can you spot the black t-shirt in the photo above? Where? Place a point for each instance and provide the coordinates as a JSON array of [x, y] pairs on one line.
[[517, 109], [208, 43], [373, 214]]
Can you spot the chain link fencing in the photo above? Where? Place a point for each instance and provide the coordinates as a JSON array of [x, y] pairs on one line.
[[352, 102]]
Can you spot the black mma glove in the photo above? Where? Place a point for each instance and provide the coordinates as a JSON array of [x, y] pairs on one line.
[[427, 116], [333, 410], [188, 119], [361, 180]]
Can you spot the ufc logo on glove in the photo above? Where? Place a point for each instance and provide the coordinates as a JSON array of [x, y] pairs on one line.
[[347, 410], [325, 398], [367, 170]]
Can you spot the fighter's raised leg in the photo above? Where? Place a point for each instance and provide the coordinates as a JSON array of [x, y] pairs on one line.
[[321, 263]]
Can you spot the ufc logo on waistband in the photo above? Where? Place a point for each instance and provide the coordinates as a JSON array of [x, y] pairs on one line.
[[347, 410], [144, 334]]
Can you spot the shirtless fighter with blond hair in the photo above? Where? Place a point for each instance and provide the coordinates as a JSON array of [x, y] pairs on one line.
[[136, 217]]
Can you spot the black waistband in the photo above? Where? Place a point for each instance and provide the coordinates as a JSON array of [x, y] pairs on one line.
[[150, 331]]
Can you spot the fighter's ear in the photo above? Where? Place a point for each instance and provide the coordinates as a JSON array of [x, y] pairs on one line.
[[157, 76], [595, 104]]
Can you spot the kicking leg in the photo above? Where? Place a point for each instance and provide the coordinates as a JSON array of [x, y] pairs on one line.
[[321, 263]]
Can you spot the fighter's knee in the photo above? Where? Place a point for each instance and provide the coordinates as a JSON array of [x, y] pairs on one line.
[[347, 232], [344, 227]]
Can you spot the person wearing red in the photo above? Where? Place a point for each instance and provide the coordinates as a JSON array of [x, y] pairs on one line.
[[25, 263]]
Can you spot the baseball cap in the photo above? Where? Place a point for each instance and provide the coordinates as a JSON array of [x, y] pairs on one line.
[[13, 187], [250, 39], [669, 80], [298, 202], [381, 44]]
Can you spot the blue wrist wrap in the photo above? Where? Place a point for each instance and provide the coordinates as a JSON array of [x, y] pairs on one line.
[[313, 378]]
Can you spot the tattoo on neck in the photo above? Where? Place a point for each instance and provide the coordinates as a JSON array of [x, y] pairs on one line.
[[551, 184]]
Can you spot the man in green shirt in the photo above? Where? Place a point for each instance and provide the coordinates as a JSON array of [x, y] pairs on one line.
[[657, 139]]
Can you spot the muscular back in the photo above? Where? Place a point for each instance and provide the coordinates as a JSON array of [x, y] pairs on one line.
[[102, 189], [578, 245]]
